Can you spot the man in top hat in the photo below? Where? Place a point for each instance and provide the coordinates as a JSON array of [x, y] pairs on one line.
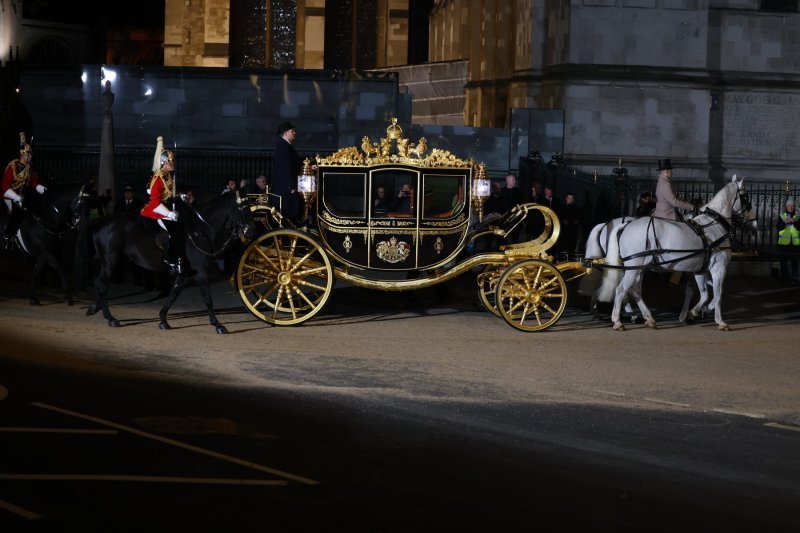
[[17, 179], [285, 170], [666, 203]]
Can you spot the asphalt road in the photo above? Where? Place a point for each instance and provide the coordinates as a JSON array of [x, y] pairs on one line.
[[399, 412]]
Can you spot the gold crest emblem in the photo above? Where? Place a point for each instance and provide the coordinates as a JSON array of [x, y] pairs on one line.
[[393, 251]]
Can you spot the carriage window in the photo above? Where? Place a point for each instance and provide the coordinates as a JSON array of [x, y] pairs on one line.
[[343, 194], [444, 196], [393, 193]]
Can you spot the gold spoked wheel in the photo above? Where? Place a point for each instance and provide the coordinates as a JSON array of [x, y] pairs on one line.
[[284, 277], [531, 295], [487, 288]]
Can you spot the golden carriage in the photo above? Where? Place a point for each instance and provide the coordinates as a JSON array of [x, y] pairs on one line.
[[286, 275]]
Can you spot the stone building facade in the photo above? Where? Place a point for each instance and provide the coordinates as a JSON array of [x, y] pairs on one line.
[[287, 34], [711, 84]]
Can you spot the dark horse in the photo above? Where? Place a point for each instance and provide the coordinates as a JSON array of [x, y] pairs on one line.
[[210, 230], [51, 219]]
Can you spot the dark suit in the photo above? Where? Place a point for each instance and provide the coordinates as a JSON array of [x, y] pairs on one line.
[[284, 178], [132, 207]]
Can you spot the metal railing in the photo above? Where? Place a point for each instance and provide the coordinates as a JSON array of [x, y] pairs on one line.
[[204, 170]]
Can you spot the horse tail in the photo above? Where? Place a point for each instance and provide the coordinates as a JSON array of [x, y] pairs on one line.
[[611, 276], [594, 248]]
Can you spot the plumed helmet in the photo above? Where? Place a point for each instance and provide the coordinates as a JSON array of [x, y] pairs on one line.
[[24, 147], [166, 157], [157, 155]]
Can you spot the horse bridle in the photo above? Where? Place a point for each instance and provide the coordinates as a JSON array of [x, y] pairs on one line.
[[74, 221], [236, 229]]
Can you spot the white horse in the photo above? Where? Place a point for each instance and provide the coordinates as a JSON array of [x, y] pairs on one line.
[[596, 248], [699, 246], [601, 286]]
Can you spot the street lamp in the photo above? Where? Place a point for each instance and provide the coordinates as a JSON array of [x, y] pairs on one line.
[[480, 190], [307, 186], [620, 184]]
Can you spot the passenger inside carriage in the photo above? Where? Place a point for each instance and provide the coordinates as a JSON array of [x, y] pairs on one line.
[[381, 203], [404, 203]]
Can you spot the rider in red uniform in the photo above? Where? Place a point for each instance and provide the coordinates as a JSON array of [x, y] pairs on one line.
[[162, 190], [18, 177]]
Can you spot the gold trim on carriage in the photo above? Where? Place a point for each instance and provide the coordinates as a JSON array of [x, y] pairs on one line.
[[429, 215]]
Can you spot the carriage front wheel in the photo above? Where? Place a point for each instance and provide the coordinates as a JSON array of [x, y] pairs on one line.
[[487, 287], [531, 295], [284, 277]]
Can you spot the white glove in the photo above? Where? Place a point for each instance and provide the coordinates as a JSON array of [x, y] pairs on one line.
[[173, 216], [40, 189], [14, 197]]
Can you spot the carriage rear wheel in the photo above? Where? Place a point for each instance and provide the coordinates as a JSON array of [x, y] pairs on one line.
[[284, 277], [531, 295], [487, 287]]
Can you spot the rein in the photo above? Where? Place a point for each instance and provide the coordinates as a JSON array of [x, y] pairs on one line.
[[706, 250], [71, 225], [234, 234]]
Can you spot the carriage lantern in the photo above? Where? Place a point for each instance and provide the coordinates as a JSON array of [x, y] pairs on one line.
[[480, 190], [307, 186]]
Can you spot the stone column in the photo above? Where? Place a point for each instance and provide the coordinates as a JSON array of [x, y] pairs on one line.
[[105, 179]]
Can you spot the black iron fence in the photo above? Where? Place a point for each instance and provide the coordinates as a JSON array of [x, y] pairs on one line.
[[204, 170], [601, 197]]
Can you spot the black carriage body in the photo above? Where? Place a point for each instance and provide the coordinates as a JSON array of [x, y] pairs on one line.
[[422, 232]]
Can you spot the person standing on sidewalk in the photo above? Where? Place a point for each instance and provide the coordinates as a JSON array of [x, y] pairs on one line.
[[788, 242]]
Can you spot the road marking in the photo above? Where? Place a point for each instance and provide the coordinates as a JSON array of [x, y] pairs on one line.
[[179, 444], [59, 430], [739, 413], [145, 479], [782, 426], [3, 393], [16, 509], [656, 400]]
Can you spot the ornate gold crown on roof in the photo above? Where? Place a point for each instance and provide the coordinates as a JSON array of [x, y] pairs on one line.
[[393, 131], [405, 153]]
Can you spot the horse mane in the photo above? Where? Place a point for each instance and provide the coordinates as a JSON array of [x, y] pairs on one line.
[[721, 203]]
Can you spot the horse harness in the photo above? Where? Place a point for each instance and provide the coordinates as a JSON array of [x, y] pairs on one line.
[[235, 231], [658, 251]]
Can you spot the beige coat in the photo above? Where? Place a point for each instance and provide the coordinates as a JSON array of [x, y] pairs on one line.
[[666, 203]]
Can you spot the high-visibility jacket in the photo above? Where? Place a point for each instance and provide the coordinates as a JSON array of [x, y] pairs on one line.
[[789, 234]]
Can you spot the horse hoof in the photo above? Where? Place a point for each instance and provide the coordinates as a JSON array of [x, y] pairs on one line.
[[164, 325], [68, 300], [651, 324], [35, 301], [90, 310], [724, 327], [683, 317], [618, 326], [637, 320], [221, 329], [113, 323]]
